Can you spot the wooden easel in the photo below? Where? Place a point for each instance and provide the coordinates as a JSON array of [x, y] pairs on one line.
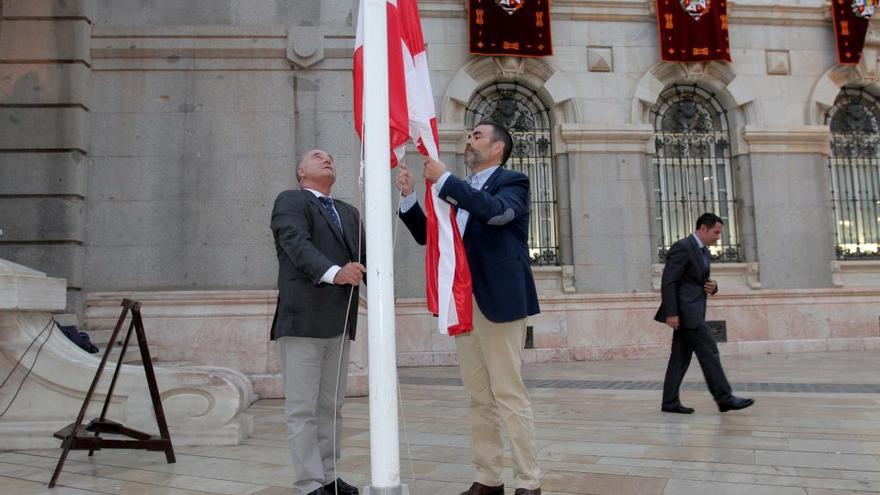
[[76, 437]]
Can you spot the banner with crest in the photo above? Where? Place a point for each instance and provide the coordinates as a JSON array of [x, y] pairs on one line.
[[693, 30], [851, 19], [510, 27]]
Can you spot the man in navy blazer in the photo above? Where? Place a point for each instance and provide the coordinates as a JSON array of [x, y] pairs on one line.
[[685, 288], [493, 216]]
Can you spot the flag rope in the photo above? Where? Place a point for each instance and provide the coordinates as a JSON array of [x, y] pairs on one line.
[[360, 201]]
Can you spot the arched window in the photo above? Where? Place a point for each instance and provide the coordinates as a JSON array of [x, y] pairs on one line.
[[692, 167], [522, 112], [855, 173]]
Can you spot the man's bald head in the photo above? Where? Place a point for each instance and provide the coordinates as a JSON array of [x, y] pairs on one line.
[[316, 170]]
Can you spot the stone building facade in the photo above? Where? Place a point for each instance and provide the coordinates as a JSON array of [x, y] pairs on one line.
[[142, 143]]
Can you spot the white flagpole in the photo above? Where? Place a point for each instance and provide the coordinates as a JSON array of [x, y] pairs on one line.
[[384, 441]]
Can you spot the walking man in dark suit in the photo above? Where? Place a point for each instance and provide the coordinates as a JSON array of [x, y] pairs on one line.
[[493, 216], [686, 286], [320, 265]]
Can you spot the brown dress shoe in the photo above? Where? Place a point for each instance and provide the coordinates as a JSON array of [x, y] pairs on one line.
[[481, 489], [526, 491]]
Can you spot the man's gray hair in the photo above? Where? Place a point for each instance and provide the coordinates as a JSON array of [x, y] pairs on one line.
[[302, 158]]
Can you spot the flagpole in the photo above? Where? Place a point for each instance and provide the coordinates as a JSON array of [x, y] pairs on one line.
[[384, 440]]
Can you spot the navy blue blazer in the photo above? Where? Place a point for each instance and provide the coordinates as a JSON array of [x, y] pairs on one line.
[[495, 239]]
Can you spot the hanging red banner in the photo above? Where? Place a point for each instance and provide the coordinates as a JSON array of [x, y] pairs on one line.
[[851, 19], [693, 30], [510, 27]]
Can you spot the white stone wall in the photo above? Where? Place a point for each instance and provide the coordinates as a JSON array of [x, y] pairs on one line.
[[174, 125], [184, 168], [144, 142]]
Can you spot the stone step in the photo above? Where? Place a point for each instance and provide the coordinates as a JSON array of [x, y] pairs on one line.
[[132, 355], [172, 364], [67, 319], [101, 337]]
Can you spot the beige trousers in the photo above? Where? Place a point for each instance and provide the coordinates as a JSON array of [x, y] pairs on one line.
[[490, 361]]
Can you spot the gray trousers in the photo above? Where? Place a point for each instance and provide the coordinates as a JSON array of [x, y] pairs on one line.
[[309, 368]]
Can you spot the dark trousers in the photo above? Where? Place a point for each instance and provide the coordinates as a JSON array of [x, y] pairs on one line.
[[686, 342]]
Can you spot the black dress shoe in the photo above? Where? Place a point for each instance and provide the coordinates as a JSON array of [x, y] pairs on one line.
[[680, 409], [734, 403], [339, 487], [317, 491], [527, 491], [481, 489]]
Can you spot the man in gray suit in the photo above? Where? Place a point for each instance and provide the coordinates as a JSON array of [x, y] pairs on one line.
[[685, 288], [320, 266]]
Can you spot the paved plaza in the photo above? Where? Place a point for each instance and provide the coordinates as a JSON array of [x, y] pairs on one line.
[[815, 430]]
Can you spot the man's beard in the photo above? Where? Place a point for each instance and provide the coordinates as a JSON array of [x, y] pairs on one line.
[[471, 158]]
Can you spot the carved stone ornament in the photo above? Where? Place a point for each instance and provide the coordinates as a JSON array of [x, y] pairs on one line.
[[305, 45], [510, 67], [694, 71]]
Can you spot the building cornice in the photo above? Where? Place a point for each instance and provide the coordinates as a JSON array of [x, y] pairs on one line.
[[278, 47], [814, 13], [220, 47], [814, 139], [603, 138]]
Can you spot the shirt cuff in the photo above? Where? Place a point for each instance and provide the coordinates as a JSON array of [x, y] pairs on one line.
[[442, 180], [407, 202], [330, 274]]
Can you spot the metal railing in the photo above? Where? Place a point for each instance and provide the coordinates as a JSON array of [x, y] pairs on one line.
[[854, 166], [692, 168], [521, 111]]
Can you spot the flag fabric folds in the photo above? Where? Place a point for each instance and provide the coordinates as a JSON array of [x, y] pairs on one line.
[[693, 30], [851, 19], [411, 105]]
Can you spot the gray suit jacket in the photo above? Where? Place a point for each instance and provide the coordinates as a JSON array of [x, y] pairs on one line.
[[682, 285], [308, 243]]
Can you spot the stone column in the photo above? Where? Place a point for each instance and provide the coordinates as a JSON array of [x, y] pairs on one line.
[[610, 206], [792, 205], [743, 186], [44, 107], [563, 206]]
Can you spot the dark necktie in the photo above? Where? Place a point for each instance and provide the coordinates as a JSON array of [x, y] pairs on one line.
[[706, 258], [328, 205]]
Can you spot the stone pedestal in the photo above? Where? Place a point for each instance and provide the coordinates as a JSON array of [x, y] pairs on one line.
[[226, 328], [203, 405]]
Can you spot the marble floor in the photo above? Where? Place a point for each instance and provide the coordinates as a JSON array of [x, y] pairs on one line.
[[815, 430]]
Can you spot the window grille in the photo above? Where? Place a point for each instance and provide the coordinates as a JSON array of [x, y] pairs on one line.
[[692, 169], [854, 166], [521, 111]]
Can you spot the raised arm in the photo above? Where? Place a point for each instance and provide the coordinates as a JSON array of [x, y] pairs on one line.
[[510, 202]]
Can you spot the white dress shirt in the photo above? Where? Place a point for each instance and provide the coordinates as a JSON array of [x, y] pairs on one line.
[[331, 272]]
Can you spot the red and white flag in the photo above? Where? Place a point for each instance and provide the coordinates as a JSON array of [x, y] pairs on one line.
[[411, 105]]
